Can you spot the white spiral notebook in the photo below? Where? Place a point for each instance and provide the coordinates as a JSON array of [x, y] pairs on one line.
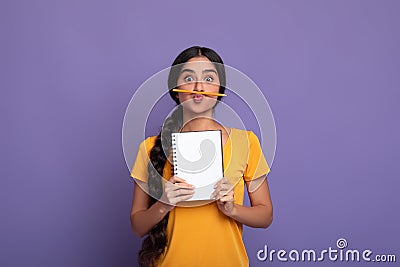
[[198, 159]]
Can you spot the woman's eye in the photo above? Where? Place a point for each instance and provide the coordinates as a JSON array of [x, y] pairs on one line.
[[188, 79], [209, 79]]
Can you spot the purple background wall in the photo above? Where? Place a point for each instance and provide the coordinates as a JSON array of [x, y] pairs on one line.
[[329, 70]]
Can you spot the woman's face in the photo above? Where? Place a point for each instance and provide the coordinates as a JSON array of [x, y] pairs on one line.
[[198, 74]]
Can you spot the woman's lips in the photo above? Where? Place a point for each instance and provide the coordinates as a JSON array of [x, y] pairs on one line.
[[197, 98]]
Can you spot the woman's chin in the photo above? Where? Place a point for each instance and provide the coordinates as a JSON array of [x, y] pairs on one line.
[[203, 106]]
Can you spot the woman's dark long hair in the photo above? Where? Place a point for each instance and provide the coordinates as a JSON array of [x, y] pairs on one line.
[[154, 244]]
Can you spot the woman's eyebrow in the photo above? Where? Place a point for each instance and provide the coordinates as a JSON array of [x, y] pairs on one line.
[[204, 71], [209, 70], [187, 70]]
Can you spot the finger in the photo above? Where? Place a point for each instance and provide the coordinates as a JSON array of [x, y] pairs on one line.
[[182, 198], [226, 187], [224, 202], [217, 189], [226, 199], [222, 190], [184, 185], [176, 179], [178, 185], [180, 192], [218, 183], [215, 193], [179, 182], [223, 183], [184, 191], [174, 187], [225, 180], [224, 193], [171, 186], [222, 180]]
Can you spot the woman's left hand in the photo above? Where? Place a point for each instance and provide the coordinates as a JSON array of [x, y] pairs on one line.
[[223, 193]]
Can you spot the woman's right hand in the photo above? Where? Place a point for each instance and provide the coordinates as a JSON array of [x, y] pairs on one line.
[[177, 190]]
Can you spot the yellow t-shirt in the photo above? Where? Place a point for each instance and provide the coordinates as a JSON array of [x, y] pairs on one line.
[[203, 235]]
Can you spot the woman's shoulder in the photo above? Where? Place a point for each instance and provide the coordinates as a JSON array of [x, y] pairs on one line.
[[241, 135], [242, 132], [148, 142]]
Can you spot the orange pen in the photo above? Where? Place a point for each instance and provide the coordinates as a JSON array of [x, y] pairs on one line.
[[197, 92]]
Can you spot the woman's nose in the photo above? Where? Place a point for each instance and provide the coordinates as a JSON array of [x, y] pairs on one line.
[[198, 85]]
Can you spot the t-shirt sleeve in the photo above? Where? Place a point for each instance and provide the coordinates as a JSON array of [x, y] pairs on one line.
[[257, 164], [139, 170]]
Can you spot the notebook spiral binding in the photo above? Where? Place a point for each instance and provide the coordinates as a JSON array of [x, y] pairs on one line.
[[174, 161]]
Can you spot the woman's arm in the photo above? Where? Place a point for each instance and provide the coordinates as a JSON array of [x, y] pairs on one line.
[[143, 217], [259, 215]]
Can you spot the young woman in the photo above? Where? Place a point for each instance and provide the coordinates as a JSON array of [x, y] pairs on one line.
[[209, 234]]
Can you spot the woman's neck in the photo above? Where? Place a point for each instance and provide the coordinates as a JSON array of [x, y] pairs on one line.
[[199, 122]]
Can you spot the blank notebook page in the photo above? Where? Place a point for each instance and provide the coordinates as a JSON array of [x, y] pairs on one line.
[[198, 158]]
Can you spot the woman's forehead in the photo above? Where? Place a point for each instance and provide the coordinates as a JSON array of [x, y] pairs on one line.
[[198, 64]]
